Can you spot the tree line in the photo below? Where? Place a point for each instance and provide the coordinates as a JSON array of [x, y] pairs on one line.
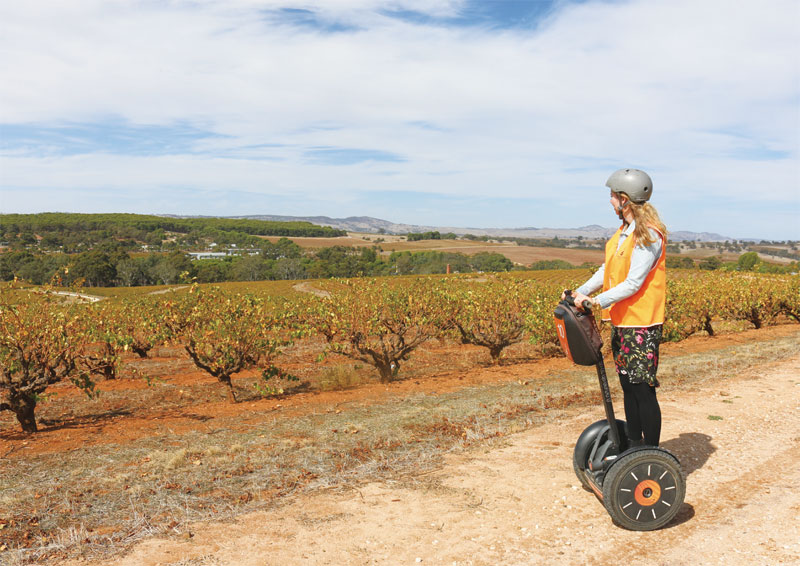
[[71, 232], [112, 265]]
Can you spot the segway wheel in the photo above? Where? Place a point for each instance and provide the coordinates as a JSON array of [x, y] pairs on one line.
[[644, 490], [579, 459]]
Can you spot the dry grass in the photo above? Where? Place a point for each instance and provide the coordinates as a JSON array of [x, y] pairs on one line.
[[96, 501]]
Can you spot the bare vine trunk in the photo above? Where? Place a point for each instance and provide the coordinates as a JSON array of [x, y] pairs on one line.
[[387, 369], [707, 325], [25, 410], [141, 351], [495, 352], [226, 379]]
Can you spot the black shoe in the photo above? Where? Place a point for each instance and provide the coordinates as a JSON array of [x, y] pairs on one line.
[[635, 443]]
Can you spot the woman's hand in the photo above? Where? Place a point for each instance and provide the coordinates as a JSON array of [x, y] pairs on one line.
[[580, 297]]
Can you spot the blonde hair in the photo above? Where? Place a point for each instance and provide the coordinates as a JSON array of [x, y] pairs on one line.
[[646, 217]]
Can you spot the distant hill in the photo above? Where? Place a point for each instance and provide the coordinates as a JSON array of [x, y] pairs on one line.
[[376, 225]]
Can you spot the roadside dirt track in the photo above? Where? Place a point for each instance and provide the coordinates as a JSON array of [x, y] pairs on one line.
[[520, 503]]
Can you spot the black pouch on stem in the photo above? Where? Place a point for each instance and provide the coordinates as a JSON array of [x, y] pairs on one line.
[[578, 334]]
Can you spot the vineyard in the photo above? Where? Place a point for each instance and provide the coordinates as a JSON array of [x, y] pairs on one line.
[[139, 413], [45, 339]]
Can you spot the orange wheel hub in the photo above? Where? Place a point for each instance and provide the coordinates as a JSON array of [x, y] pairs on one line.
[[647, 493]]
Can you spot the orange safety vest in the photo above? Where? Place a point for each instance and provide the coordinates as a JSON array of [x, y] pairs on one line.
[[645, 307]]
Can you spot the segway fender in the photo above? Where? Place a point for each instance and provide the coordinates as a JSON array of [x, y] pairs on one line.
[[586, 444]]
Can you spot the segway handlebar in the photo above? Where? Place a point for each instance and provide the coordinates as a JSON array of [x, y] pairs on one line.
[[571, 300]]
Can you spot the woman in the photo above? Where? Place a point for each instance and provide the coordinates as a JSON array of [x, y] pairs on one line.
[[633, 298]]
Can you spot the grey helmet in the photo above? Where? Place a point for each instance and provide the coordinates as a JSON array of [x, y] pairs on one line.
[[636, 184]]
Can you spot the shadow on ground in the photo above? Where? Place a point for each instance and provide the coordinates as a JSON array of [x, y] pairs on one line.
[[693, 449]]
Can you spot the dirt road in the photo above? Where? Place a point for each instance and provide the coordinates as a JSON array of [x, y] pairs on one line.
[[519, 503]]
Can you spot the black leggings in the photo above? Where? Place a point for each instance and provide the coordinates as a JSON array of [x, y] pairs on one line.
[[642, 411]]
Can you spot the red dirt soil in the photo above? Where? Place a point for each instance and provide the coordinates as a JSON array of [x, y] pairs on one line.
[[114, 422]]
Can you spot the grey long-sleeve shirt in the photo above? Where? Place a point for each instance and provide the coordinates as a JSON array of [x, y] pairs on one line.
[[643, 259]]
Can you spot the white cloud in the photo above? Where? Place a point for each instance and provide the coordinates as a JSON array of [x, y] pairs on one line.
[[696, 91]]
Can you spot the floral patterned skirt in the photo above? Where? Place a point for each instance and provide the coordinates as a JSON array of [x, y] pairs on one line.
[[636, 353]]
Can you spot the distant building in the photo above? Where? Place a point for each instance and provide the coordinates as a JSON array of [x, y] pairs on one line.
[[217, 255], [208, 255]]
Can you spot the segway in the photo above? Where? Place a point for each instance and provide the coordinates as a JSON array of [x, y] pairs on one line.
[[641, 487]]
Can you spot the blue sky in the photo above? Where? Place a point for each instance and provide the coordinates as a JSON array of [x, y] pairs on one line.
[[436, 112]]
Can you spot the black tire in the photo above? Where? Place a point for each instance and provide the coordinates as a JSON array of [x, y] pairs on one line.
[[644, 490], [584, 445], [579, 464]]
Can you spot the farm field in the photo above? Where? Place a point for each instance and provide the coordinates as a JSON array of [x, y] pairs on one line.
[[353, 239], [161, 452], [725, 256], [521, 255]]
